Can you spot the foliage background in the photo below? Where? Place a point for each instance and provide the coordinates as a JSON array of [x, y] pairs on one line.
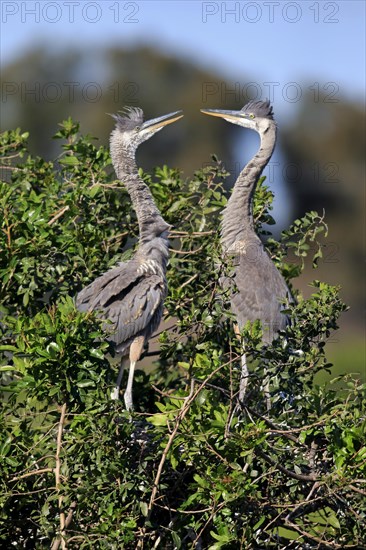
[[192, 469]]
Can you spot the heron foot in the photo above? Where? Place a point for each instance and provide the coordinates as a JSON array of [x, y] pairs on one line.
[[115, 394], [128, 401]]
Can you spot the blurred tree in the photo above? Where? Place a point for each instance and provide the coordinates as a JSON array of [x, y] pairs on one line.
[[326, 141], [41, 88], [325, 146]]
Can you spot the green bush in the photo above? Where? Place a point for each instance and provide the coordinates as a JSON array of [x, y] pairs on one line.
[[191, 468]]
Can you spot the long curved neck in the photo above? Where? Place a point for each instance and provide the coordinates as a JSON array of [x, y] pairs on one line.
[[237, 220], [147, 212]]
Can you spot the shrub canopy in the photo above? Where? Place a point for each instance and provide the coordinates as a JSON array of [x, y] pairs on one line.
[[191, 468]]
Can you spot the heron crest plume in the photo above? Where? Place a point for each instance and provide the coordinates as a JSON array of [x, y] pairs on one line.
[[129, 118], [262, 109]]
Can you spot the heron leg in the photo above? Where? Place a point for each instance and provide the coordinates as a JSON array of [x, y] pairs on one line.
[[243, 378], [135, 353], [244, 375], [267, 393], [128, 392], [115, 391]]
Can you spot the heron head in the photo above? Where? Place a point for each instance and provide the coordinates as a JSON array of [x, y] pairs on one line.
[[131, 130], [256, 115]]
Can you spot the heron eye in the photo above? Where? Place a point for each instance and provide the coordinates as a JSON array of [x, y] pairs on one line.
[[251, 115], [137, 128]]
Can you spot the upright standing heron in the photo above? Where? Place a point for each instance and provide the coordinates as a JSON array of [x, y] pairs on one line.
[[131, 295], [260, 286]]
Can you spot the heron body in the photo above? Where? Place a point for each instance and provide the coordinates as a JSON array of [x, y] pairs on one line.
[[131, 295], [259, 287]]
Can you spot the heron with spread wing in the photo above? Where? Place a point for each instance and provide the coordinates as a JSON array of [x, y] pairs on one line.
[[131, 295], [260, 287]]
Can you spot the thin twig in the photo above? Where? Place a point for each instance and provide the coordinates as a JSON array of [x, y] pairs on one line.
[[188, 281], [315, 486], [179, 419], [186, 251], [301, 477], [58, 214], [193, 234], [183, 411], [33, 473], [175, 510], [361, 491], [322, 541], [57, 542], [166, 394], [214, 511], [60, 537], [118, 236]]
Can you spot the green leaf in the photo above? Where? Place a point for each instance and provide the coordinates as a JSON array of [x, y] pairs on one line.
[[144, 508], [176, 540], [97, 353], [158, 419], [86, 384], [69, 160]]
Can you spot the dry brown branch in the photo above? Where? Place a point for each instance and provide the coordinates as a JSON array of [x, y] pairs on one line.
[[306, 501], [32, 473], [57, 542], [118, 236], [301, 477], [361, 491], [323, 542], [167, 394], [30, 492], [4, 167], [58, 214], [214, 511], [187, 252], [287, 433], [169, 509], [179, 419], [188, 281], [177, 233], [183, 411], [164, 329]]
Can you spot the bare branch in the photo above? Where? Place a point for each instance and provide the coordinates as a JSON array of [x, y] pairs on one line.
[[58, 214], [32, 473], [301, 477], [60, 538]]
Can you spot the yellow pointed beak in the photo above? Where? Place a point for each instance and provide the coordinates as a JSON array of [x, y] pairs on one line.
[[164, 120], [231, 115]]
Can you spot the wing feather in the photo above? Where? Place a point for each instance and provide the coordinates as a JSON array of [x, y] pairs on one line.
[[130, 299], [138, 312], [260, 289], [108, 285]]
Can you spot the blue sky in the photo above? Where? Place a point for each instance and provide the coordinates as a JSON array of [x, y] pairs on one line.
[[275, 42]]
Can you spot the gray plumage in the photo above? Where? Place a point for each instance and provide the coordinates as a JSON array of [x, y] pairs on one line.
[[131, 295], [260, 287]]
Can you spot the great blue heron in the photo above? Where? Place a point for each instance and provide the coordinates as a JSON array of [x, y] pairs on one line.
[[131, 295], [260, 286]]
